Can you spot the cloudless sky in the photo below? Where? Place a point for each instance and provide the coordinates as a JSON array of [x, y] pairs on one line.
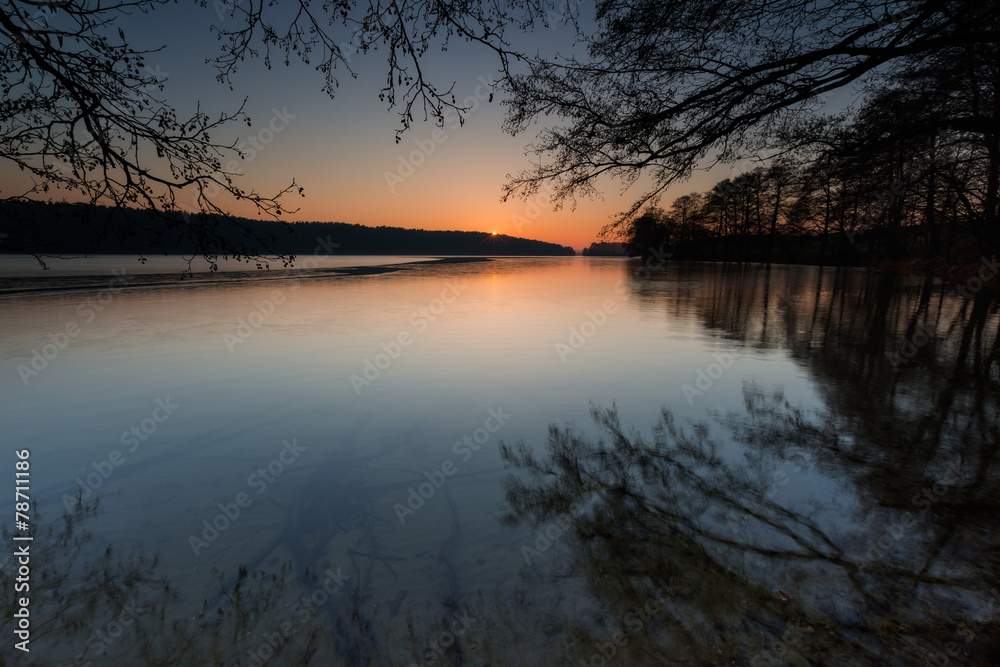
[[343, 150]]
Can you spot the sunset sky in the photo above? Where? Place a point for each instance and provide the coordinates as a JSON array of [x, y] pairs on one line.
[[343, 150]]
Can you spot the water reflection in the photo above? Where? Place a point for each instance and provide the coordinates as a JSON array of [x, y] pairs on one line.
[[764, 567], [93, 604], [857, 530], [863, 532]]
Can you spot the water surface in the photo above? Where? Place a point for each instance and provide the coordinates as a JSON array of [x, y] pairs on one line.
[[513, 461]]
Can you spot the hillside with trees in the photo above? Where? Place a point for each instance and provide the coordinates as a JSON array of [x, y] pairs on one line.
[[76, 229]]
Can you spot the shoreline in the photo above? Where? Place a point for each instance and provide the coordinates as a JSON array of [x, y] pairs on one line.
[[82, 282]]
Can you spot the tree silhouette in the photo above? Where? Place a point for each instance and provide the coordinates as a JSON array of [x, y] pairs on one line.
[[81, 112], [664, 87]]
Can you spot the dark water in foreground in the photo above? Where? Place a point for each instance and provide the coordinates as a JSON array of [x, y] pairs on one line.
[[561, 461]]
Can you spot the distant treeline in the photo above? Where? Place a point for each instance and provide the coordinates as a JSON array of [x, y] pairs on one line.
[[75, 229], [605, 249]]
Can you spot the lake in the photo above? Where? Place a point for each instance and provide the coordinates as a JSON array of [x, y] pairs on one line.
[[578, 461]]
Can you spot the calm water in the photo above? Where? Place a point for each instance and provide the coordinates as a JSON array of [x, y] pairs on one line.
[[519, 461]]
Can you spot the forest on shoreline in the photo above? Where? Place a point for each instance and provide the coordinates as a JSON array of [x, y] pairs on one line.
[[910, 177], [76, 229]]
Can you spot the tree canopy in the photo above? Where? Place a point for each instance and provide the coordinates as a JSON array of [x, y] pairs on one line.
[[669, 85]]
